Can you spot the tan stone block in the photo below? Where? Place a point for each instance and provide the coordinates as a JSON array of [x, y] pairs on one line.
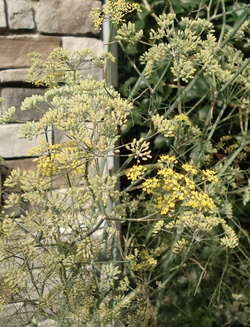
[[23, 164], [52, 17], [14, 49]]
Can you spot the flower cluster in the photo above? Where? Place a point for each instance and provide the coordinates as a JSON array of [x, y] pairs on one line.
[[135, 173], [210, 176], [113, 10], [163, 125], [55, 159], [62, 66], [142, 259], [140, 149], [128, 33], [87, 113], [191, 46], [176, 196], [8, 115]]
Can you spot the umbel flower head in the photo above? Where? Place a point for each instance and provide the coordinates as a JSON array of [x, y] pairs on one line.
[[187, 48], [114, 11], [181, 202]]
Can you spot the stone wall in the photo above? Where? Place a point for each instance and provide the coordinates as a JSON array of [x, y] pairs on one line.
[[36, 25]]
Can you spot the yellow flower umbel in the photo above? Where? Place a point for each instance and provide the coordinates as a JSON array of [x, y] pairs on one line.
[[54, 159], [190, 169], [114, 11], [210, 176], [135, 173], [182, 198], [173, 189], [164, 126]]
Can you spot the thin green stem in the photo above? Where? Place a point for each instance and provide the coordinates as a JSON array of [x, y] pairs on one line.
[[231, 159], [209, 9], [162, 76], [229, 12], [197, 104], [168, 277], [232, 79], [167, 268], [141, 76], [179, 94], [222, 33], [184, 92], [235, 29], [108, 69], [208, 138]]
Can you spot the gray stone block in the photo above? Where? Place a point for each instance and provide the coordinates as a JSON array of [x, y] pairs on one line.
[[11, 146], [14, 49], [78, 43], [52, 17], [14, 96], [20, 15], [3, 23], [13, 75]]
